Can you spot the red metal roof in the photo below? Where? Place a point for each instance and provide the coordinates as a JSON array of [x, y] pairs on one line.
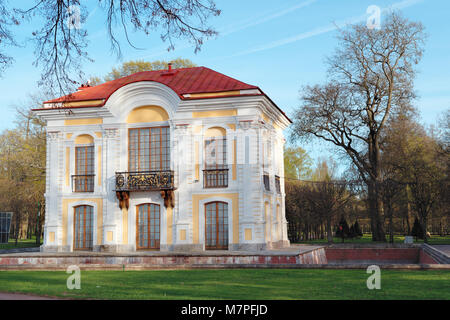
[[182, 81]]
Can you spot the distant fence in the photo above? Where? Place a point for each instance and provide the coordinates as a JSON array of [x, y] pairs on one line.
[[5, 225]]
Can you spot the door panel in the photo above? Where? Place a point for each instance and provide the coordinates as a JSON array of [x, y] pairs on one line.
[[148, 226], [216, 225], [83, 228]]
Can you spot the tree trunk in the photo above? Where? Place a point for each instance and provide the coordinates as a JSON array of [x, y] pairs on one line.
[[391, 227], [375, 214], [423, 222], [408, 210], [329, 231]]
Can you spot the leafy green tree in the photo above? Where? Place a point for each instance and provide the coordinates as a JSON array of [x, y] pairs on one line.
[[134, 66], [22, 157], [297, 163], [420, 163]]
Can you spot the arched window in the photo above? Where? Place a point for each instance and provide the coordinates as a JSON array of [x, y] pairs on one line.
[[216, 168], [83, 227], [83, 180], [147, 226], [216, 225]]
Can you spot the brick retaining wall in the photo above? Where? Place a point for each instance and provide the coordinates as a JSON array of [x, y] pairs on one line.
[[378, 255]]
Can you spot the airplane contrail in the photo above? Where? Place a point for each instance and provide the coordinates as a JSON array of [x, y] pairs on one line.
[[244, 25], [269, 18], [322, 30]]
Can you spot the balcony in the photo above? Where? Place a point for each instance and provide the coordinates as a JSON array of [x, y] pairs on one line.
[[145, 180], [215, 178], [83, 183]]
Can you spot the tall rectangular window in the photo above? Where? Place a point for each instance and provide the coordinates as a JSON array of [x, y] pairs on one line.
[[216, 169], [216, 153], [149, 149], [84, 169]]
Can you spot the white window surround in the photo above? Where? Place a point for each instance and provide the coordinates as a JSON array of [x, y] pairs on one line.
[[201, 218], [137, 199], [70, 216]]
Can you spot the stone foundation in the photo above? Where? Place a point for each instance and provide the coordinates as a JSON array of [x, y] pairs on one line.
[[55, 248], [158, 259], [182, 248]]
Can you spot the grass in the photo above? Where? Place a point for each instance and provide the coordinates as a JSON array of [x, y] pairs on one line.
[[237, 284], [367, 238], [21, 243]]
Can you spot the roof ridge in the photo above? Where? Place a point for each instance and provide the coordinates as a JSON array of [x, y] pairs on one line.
[[199, 79]]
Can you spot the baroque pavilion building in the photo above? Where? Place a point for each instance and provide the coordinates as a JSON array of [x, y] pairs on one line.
[[171, 160]]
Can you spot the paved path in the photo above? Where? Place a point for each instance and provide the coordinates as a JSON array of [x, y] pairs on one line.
[[19, 250], [444, 248], [19, 296]]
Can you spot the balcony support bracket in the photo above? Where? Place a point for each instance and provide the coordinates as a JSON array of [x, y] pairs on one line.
[[124, 199], [169, 198]]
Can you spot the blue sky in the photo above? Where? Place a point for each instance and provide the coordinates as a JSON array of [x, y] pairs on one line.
[[278, 45]]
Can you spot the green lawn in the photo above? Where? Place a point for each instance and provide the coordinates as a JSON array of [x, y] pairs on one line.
[[367, 238], [233, 284], [21, 243]]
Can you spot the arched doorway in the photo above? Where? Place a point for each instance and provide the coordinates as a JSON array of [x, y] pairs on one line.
[[216, 225], [148, 224], [83, 227]]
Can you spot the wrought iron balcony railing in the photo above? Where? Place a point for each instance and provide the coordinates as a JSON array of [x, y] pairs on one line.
[[83, 183], [145, 180], [215, 178]]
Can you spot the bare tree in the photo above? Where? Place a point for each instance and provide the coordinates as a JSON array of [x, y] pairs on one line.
[[61, 45], [6, 38], [328, 199], [370, 74]]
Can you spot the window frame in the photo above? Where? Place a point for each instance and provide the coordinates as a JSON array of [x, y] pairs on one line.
[[277, 184], [266, 181], [225, 221], [216, 175], [87, 176], [75, 246], [163, 165], [148, 247]]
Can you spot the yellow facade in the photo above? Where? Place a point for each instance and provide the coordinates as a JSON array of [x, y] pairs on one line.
[[124, 225], [215, 94], [65, 212], [214, 113], [80, 122], [147, 114], [169, 213], [196, 211], [84, 139]]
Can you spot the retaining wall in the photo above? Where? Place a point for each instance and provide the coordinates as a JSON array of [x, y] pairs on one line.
[[315, 256], [378, 255]]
